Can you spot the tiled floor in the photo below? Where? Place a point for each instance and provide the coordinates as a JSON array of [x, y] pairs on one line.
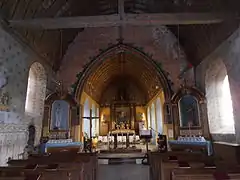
[[123, 172]]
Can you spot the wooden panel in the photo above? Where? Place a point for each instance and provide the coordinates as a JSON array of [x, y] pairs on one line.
[[46, 116]]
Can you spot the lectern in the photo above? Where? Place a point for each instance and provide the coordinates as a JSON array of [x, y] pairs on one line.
[[146, 134]]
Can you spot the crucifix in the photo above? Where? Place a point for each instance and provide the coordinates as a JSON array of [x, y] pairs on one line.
[[90, 121]]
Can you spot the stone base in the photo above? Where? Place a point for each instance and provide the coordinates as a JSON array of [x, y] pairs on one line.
[[122, 150]]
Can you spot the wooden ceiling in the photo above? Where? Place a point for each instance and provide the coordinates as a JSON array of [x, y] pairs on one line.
[[125, 67], [197, 40]]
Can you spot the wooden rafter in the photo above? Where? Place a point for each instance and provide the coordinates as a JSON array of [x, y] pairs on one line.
[[115, 20]]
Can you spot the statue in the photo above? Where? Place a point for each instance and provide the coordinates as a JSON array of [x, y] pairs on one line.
[[58, 117]]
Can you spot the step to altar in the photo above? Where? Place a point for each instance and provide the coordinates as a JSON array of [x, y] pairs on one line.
[[120, 158], [123, 172], [121, 150]]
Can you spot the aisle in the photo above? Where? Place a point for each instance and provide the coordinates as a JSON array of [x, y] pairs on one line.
[[123, 172]]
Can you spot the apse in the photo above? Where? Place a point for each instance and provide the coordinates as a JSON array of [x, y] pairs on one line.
[[123, 76]]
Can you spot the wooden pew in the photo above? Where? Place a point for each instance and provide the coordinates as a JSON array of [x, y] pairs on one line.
[[68, 164], [18, 175], [204, 174], [161, 164]]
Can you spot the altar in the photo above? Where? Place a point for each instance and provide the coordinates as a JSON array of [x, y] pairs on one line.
[[191, 143], [59, 125], [53, 146], [124, 135]]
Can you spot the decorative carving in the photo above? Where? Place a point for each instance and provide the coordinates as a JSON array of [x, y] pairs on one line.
[[3, 82], [187, 114], [4, 101]]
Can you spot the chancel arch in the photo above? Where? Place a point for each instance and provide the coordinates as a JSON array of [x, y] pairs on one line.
[[123, 81]]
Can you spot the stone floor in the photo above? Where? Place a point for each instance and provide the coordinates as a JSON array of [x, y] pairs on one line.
[[123, 172]]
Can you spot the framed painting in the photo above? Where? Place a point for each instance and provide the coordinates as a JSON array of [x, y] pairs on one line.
[[188, 111]]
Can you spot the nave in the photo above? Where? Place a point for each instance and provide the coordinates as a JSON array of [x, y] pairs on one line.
[[88, 166], [104, 89]]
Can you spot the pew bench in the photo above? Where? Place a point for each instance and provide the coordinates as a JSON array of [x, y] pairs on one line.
[[77, 165], [204, 174], [161, 164]]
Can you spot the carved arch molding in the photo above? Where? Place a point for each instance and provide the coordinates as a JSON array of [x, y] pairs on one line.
[[112, 51]]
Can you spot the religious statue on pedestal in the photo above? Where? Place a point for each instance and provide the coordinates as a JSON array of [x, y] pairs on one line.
[[60, 115]]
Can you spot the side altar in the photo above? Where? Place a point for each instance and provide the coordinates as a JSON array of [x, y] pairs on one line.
[[60, 123]]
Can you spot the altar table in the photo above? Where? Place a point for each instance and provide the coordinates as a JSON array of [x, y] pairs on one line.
[[177, 144], [121, 132], [60, 145]]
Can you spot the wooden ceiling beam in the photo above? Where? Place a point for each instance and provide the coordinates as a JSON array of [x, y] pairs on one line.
[[115, 20]]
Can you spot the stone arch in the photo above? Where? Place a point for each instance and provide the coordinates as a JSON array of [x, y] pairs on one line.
[[158, 42], [215, 76], [36, 90], [114, 50]]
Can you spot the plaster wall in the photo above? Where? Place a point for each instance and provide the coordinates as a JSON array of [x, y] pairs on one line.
[[157, 42], [229, 54], [15, 62]]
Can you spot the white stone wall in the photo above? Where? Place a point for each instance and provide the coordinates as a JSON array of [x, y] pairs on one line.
[[15, 61], [229, 53]]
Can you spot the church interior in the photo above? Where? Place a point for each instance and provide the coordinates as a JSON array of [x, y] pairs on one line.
[[149, 86]]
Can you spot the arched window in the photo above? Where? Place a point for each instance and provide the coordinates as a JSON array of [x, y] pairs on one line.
[[226, 107], [94, 120], [219, 102], [153, 122], [36, 89], [97, 121], [86, 113], [148, 117], [159, 116]]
